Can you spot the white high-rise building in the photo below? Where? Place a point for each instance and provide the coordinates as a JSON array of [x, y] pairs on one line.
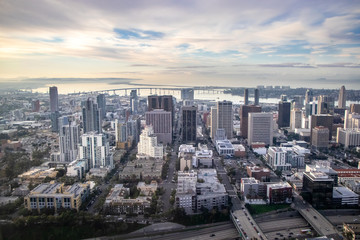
[[95, 149], [148, 145], [295, 118], [260, 128], [69, 138]]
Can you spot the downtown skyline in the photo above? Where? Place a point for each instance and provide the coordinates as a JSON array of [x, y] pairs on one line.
[[187, 43]]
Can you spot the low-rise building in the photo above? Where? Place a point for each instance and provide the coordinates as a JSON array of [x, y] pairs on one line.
[[318, 188], [77, 168], [279, 193], [249, 187], [224, 147], [239, 150], [259, 173], [342, 196], [118, 202], [203, 158], [38, 174], [57, 195], [351, 231]]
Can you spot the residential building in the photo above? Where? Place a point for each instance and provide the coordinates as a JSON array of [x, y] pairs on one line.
[[348, 137], [91, 116], [186, 163], [69, 139], [96, 150], [279, 193], [324, 120], [148, 146], [117, 201], [325, 104], [77, 168], [355, 108], [203, 158], [260, 128], [259, 173], [56, 195], [101, 102], [249, 187]]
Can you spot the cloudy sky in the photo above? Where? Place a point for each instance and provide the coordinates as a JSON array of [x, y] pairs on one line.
[[208, 42]]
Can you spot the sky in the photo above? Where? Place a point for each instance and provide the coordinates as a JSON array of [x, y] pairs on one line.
[[205, 42]]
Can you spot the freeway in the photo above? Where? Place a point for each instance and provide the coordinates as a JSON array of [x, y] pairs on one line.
[[315, 219]]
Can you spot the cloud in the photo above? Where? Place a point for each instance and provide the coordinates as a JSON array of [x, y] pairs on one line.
[[137, 34]]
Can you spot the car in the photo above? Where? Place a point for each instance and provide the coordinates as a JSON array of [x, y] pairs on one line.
[[212, 235], [315, 217]]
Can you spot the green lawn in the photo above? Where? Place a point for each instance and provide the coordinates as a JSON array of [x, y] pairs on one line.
[[259, 209]]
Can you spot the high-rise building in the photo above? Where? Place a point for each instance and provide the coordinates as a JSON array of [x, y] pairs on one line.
[[295, 118], [35, 106], [213, 122], [308, 96], [325, 120], [355, 108], [148, 146], [298, 101], [91, 116], [161, 122], [101, 102], [161, 102], [54, 121], [187, 94], [256, 97], [320, 138], [246, 96], [134, 102], [96, 150], [260, 128], [54, 99], [325, 104], [318, 188], [189, 124], [244, 116], [342, 97], [225, 117], [284, 114], [127, 133], [69, 138], [352, 120]]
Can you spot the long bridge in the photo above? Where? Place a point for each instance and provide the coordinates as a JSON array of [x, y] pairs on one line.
[[159, 90]]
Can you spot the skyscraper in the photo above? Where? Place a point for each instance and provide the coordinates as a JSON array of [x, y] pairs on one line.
[[54, 99], [246, 96], [256, 96], [160, 120], [101, 101], [325, 120], [134, 102], [187, 94], [342, 98], [225, 117], [244, 116], [308, 96], [260, 128], [95, 149], [69, 138], [295, 118], [284, 114], [355, 108], [189, 124], [91, 116], [213, 122], [325, 104], [161, 102]]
